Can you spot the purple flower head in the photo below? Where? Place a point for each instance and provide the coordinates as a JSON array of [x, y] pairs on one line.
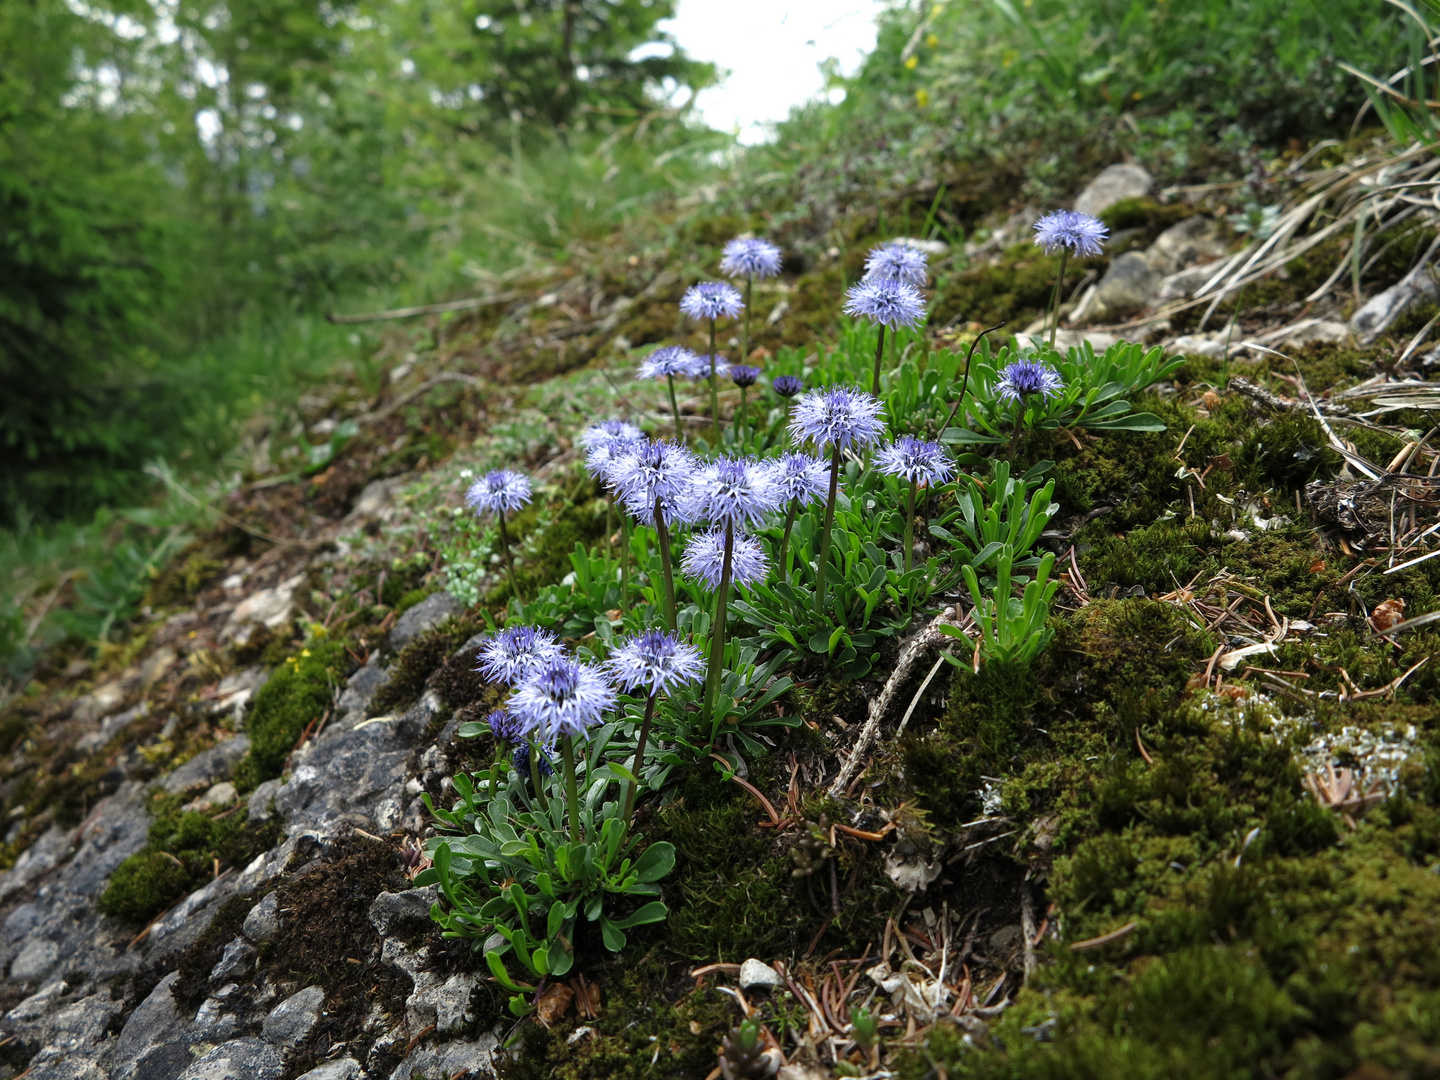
[[787, 385], [607, 430], [502, 727], [661, 470], [886, 301], [734, 491], [750, 257], [895, 261], [1081, 233], [704, 559], [500, 492], [520, 762], [708, 364], [656, 662], [916, 460], [743, 375], [711, 300], [1025, 377], [668, 360], [561, 697], [608, 453], [839, 416], [514, 652], [799, 477]]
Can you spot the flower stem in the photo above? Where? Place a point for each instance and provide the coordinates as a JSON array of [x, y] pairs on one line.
[[909, 526], [965, 381], [624, 560], [536, 780], [717, 636], [639, 760], [745, 334], [879, 350], [1015, 435], [662, 534], [785, 541], [509, 563], [822, 565], [1055, 300], [714, 392], [572, 791], [674, 408], [740, 422]]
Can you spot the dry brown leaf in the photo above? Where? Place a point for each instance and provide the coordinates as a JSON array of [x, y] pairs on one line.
[[1387, 613], [554, 1003]]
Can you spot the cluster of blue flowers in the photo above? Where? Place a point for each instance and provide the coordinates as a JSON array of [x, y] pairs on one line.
[[715, 504]]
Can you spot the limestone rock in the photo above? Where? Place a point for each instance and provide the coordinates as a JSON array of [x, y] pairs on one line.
[[429, 613], [208, 767], [1130, 285], [1197, 345], [409, 909], [758, 975], [1196, 239], [291, 1022], [339, 1069], [270, 608], [1113, 185], [448, 1059], [236, 962], [154, 1040], [239, 1059], [1376, 315], [1319, 332], [263, 921]]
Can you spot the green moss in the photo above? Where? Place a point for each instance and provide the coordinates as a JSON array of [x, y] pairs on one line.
[[298, 693], [1155, 557], [1289, 451], [1147, 214], [423, 657], [181, 855]]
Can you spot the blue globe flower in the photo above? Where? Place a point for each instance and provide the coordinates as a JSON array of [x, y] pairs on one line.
[[711, 300], [916, 460], [1081, 233], [561, 697], [750, 257], [886, 301], [897, 262], [1026, 377], [656, 662], [839, 416], [704, 559], [514, 652], [500, 492]]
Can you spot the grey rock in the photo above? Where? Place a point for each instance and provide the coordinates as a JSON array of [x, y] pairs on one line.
[[73, 1035], [362, 687], [36, 959], [1376, 315], [263, 921], [153, 1044], [239, 1059], [1321, 331], [291, 1022], [259, 806], [1197, 345], [111, 726], [22, 920], [1129, 286], [236, 962], [37, 860], [215, 1020], [104, 699], [449, 1058], [221, 794], [429, 613], [1196, 239], [758, 975], [1186, 283], [339, 1069], [1113, 185], [208, 767], [390, 911], [444, 1003]]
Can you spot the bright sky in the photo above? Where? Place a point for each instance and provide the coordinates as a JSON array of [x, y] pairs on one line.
[[772, 50]]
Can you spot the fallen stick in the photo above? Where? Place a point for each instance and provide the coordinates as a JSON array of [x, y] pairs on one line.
[[467, 304]]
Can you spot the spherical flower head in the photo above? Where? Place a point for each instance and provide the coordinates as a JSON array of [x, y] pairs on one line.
[[1026, 377], [711, 300], [748, 256], [787, 385], [608, 454], [655, 662], [513, 653], [839, 416], [704, 559], [669, 360], [663, 470], [608, 430], [886, 301], [708, 365], [743, 375], [799, 478], [897, 262], [561, 697], [500, 492], [916, 460], [520, 762], [1081, 233], [502, 726], [731, 490]]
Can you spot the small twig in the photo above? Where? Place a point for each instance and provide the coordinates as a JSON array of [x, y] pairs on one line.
[[775, 818], [1103, 939]]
